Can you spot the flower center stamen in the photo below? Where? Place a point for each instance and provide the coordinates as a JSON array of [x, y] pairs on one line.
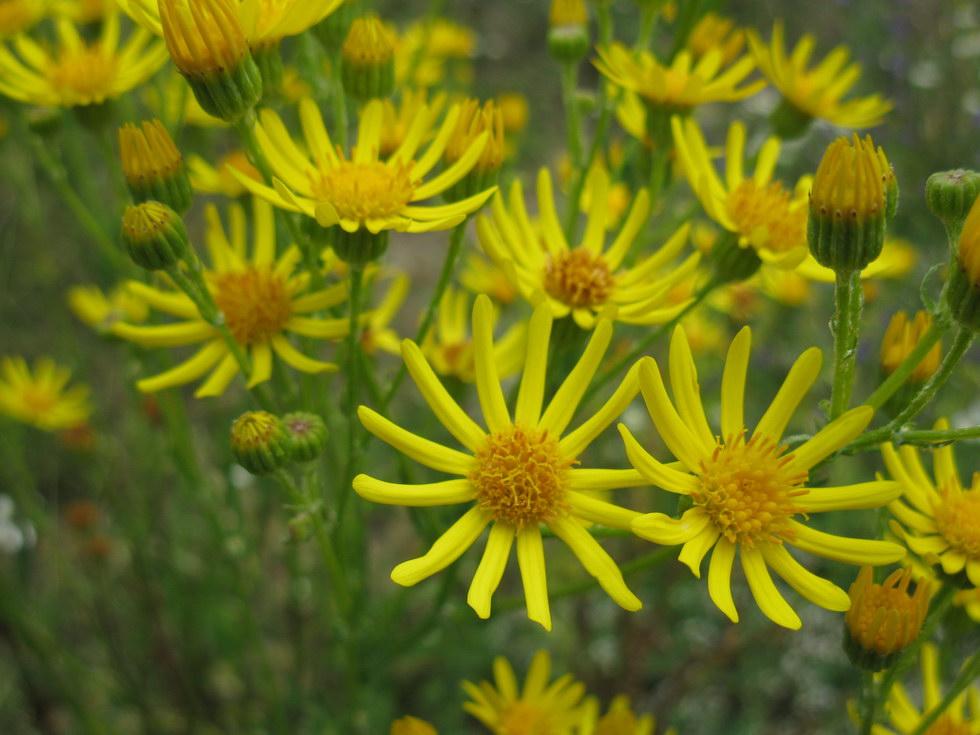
[[520, 476], [748, 489], [578, 278], [362, 191], [958, 519], [255, 302], [525, 719], [87, 72], [767, 215]]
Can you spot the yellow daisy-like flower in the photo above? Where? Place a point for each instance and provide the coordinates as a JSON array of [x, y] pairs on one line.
[[905, 717], [759, 210], [539, 708], [747, 491], [208, 179], [584, 280], [364, 191], [618, 720], [449, 346], [84, 11], [518, 473], [425, 48], [19, 16], [262, 297], [817, 92], [79, 73], [264, 22], [40, 398], [715, 31], [683, 85], [399, 119], [941, 520]]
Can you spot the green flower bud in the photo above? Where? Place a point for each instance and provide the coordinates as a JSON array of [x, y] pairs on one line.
[[307, 435], [950, 194], [367, 61], [260, 442], [154, 236]]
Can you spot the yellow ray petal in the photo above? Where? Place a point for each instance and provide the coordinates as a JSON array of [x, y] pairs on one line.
[[530, 559], [448, 492], [769, 599], [421, 450], [447, 549], [596, 562], [491, 568]]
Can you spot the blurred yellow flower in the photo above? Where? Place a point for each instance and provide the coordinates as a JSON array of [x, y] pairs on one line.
[[209, 179], [40, 398], [19, 16], [714, 31], [480, 275], [377, 333], [539, 707], [583, 281], [261, 297], [817, 92], [95, 309], [517, 475], [79, 73], [426, 48], [900, 339]]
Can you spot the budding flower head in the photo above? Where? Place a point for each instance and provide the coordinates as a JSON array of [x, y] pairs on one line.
[[884, 618], [950, 194], [568, 33], [260, 442], [153, 167], [307, 435], [963, 290], [854, 192], [900, 339], [207, 44], [367, 62], [475, 120], [154, 236]]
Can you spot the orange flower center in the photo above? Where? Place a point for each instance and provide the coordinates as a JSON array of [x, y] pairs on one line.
[[522, 718], [83, 76], [256, 303], [946, 726], [579, 278], [958, 519], [38, 400], [520, 478], [363, 191], [766, 215], [748, 489]]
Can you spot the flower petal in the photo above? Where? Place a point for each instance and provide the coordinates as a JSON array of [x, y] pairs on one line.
[[421, 450], [832, 437], [839, 548], [733, 384], [816, 589], [447, 492], [653, 470], [530, 559], [447, 549], [662, 529], [491, 568], [720, 578], [769, 599], [850, 497], [798, 382]]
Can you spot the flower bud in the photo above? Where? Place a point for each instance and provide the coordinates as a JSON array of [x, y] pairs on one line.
[[900, 339], [153, 167], [359, 247], [367, 60], [307, 435], [473, 121], [730, 262], [208, 46], [333, 29], [568, 32], [260, 442], [884, 618], [154, 236], [852, 193], [963, 289], [950, 194]]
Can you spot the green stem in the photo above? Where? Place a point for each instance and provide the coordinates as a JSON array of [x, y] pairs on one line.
[[339, 101], [448, 268], [59, 177], [648, 17], [579, 177], [967, 675], [894, 381], [353, 385], [919, 436], [644, 344], [604, 19], [573, 117], [845, 327], [869, 702]]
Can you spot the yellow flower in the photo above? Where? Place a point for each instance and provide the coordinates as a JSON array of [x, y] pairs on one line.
[[99, 311], [759, 210], [715, 31], [411, 726], [426, 46], [583, 281], [79, 73], [747, 491], [449, 346], [683, 85], [515, 110], [40, 398], [19, 16], [84, 11], [884, 618], [518, 474], [539, 708], [400, 119], [261, 297], [209, 179], [817, 92], [905, 716], [618, 720], [363, 191], [264, 22], [941, 521], [900, 339], [480, 275]]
